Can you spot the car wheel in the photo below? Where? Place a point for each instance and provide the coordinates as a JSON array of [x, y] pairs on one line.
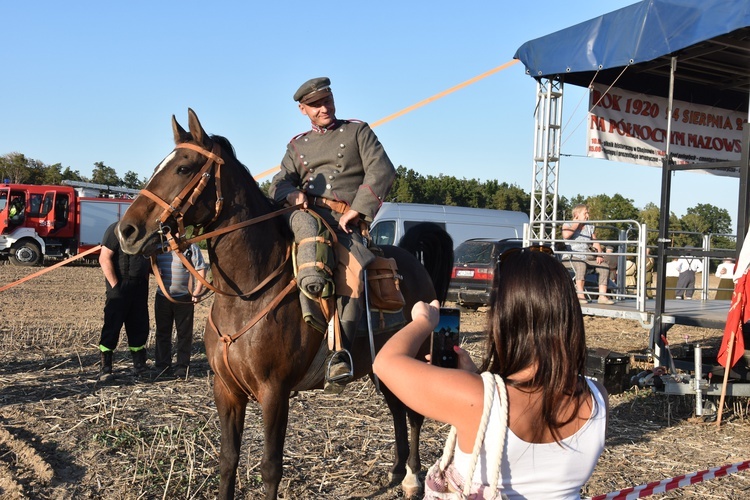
[[26, 253]]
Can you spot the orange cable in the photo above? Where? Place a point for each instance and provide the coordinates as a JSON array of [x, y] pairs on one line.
[[444, 93], [50, 268]]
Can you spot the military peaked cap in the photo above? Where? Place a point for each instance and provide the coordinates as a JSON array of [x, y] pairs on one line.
[[313, 90]]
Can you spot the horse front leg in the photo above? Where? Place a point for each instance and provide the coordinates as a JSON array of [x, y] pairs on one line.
[[275, 418], [231, 409], [411, 482], [406, 464]]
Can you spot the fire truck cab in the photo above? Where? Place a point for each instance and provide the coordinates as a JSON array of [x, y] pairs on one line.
[[54, 221]]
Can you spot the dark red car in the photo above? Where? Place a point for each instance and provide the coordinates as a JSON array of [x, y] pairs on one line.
[[474, 265]]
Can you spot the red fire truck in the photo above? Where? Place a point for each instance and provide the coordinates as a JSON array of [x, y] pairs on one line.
[[56, 221]]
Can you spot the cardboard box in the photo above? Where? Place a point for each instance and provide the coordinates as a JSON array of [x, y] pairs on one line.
[[608, 367]]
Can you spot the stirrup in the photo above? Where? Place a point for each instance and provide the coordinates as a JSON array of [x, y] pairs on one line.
[[335, 359]]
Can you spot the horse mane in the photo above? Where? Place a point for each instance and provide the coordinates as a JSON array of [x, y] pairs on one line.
[[250, 181], [227, 146], [262, 204]]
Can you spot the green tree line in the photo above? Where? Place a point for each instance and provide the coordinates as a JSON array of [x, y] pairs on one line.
[[18, 169], [412, 187]]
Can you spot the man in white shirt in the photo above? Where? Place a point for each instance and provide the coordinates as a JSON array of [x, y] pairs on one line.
[[725, 273], [725, 269], [688, 267]]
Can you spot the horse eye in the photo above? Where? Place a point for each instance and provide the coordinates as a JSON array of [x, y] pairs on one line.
[[182, 169]]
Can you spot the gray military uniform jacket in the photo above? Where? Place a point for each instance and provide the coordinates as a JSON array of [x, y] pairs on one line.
[[345, 163]]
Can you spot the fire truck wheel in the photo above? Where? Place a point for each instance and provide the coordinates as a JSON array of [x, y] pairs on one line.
[[26, 253]]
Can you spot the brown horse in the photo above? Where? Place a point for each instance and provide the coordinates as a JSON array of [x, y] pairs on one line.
[[256, 341]]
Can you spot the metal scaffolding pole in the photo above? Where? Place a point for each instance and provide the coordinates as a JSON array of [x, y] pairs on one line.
[[547, 131]]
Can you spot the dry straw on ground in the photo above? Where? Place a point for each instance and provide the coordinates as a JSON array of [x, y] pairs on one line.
[[64, 436]]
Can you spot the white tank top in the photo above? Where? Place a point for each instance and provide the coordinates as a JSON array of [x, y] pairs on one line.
[[542, 471]]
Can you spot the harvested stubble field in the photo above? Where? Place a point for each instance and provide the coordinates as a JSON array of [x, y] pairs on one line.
[[64, 436]]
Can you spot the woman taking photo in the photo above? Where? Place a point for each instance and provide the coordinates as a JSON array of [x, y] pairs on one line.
[[548, 434]]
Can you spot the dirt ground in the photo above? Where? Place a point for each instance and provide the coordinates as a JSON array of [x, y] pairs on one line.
[[64, 436]]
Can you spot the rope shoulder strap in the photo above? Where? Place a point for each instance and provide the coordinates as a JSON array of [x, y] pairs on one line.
[[493, 384]]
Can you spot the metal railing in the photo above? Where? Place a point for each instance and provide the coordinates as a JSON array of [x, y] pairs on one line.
[[710, 256], [631, 245]]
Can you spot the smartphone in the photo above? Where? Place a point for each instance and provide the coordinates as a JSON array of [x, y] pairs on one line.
[[445, 337]]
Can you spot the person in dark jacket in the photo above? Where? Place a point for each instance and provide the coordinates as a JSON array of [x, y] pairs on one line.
[[340, 168], [126, 279]]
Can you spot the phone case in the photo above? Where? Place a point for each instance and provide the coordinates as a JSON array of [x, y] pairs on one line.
[[444, 337]]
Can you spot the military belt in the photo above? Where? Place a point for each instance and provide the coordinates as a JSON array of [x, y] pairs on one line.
[[337, 206]]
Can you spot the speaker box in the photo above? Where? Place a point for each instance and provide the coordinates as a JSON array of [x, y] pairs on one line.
[[609, 368]]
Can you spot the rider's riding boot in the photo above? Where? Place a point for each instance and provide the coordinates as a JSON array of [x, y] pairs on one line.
[[105, 371], [338, 372], [139, 361], [339, 366]]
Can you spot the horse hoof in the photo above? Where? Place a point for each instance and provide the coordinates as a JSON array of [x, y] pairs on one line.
[[413, 492], [411, 485]]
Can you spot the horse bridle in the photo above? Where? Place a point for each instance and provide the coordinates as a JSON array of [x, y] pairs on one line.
[[194, 188], [186, 199]]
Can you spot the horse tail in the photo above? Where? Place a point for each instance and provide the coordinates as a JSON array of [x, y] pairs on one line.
[[433, 246]]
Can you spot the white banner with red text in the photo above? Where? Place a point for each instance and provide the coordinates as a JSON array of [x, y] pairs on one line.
[[630, 127]]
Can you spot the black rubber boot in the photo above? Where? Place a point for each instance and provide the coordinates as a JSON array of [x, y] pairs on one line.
[[139, 362], [105, 371]]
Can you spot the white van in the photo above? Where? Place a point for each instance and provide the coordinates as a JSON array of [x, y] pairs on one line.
[[394, 220]]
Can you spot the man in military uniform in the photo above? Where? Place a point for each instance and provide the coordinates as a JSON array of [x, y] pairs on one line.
[[340, 167]]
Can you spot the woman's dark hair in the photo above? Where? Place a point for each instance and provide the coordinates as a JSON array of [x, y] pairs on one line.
[[535, 317]]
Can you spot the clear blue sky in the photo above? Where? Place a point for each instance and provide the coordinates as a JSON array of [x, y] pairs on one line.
[[89, 81]]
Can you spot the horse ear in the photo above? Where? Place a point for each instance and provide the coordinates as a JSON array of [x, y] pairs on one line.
[[179, 133], [196, 129]]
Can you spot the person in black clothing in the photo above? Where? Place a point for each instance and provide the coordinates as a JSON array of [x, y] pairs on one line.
[[126, 278]]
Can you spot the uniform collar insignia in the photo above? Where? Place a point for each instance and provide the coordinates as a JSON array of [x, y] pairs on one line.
[[323, 130]]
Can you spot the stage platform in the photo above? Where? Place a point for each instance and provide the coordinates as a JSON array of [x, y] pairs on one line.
[[701, 313]]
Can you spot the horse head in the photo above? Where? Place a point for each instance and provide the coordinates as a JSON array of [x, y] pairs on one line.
[[184, 190]]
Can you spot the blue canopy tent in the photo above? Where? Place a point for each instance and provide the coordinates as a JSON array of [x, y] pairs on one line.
[[697, 51], [710, 38]]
